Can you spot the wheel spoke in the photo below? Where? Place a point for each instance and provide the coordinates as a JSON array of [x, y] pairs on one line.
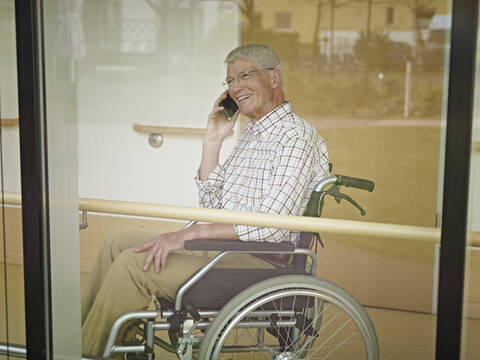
[[338, 346]]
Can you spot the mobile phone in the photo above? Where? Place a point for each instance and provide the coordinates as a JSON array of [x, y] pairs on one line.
[[230, 107]]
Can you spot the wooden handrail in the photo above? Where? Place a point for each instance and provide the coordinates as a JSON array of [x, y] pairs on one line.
[[302, 223], [154, 129], [476, 146], [162, 130], [12, 198], [9, 122]]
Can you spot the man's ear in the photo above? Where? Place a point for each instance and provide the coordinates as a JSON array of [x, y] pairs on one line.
[[276, 78]]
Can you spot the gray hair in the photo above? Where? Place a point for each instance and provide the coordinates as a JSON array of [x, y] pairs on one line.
[[262, 55]]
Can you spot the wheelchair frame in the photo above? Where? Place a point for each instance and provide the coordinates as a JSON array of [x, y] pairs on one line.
[[246, 310]]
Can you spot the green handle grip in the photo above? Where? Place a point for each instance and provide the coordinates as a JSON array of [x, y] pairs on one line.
[[358, 183]]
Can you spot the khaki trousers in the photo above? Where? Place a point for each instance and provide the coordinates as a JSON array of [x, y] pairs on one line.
[[118, 283]]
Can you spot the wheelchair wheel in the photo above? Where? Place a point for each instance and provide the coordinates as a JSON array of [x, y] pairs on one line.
[[291, 317]]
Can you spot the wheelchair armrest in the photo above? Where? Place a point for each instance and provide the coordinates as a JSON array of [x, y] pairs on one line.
[[237, 245]]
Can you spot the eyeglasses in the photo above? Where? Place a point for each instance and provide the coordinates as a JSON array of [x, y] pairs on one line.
[[241, 77]]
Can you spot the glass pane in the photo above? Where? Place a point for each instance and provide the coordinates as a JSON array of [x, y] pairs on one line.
[[62, 45], [371, 82], [145, 63], [471, 308], [369, 76], [12, 309]]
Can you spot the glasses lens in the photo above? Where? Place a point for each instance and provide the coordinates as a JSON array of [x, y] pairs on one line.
[[245, 76]]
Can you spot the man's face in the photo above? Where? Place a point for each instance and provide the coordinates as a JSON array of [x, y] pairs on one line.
[[253, 96]]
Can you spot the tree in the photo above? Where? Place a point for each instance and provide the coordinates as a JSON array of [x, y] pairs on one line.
[[316, 32], [368, 22], [334, 4], [420, 9], [374, 51]]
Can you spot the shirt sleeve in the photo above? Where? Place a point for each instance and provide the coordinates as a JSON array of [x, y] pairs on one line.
[[210, 190], [291, 176]]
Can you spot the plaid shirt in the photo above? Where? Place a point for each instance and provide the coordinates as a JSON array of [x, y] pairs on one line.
[[273, 169]]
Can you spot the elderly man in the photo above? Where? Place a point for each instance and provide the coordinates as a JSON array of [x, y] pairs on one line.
[[273, 168]]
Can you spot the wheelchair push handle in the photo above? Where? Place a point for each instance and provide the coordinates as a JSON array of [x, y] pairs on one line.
[[315, 204], [357, 183]]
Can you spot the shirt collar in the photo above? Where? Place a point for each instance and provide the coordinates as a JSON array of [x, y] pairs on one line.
[[270, 119]]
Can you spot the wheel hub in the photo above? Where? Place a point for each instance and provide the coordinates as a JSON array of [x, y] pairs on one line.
[[285, 356]]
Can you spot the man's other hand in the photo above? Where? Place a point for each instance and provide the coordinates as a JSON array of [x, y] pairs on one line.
[[159, 248]]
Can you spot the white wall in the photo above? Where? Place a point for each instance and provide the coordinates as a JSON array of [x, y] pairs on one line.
[[166, 88]]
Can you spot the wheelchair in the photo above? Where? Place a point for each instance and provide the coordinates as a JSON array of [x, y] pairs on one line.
[[283, 313]]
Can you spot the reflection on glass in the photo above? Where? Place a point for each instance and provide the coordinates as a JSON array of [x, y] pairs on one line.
[[148, 63], [471, 308], [151, 63], [4, 339], [12, 312]]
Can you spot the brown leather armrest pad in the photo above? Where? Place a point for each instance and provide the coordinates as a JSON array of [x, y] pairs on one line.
[[237, 245]]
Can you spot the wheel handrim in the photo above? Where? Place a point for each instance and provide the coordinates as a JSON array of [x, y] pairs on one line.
[[303, 352]]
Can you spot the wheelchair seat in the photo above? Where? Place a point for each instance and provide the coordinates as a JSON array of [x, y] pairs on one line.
[[207, 293]]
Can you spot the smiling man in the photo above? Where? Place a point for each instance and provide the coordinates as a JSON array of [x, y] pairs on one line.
[[273, 168]]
